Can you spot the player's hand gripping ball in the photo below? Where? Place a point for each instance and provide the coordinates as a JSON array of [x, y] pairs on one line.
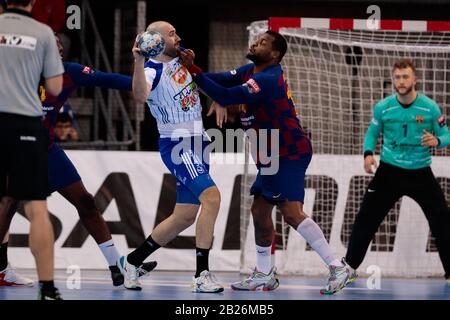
[[151, 44]]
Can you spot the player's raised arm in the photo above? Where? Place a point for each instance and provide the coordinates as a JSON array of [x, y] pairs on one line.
[[141, 88], [249, 92], [215, 85]]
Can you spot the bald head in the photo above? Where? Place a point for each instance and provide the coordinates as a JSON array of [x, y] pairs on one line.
[[170, 36], [160, 26]]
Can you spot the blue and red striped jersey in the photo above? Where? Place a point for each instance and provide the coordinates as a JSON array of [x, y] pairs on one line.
[[266, 104]]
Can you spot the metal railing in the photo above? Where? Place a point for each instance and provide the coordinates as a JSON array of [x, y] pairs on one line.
[[108, 105]]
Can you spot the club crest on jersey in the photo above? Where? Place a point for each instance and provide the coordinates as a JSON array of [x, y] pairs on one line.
[[187, 97], [180, 75], [252, 86], [42, 93], [419, 119], [441, 121]]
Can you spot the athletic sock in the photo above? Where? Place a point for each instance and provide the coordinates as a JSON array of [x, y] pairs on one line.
[[3, 256], [141, 253], [110, 252], [202, 261], [263, 259], [47, 285], [312, 233]]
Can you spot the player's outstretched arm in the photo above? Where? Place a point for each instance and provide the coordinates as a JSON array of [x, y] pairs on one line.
[[84, 76], [226, 79], [141, 89]]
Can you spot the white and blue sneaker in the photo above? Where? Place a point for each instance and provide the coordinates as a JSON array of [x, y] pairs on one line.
[[130, 274], [258, 281], [338, 278], [206, 283]]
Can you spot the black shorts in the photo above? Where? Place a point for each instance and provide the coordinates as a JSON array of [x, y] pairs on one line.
[[23, 162]]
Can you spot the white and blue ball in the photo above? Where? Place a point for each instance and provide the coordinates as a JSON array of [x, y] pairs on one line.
[[151, 44]]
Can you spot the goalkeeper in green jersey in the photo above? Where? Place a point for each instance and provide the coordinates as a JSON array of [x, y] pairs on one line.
[[410, 123]]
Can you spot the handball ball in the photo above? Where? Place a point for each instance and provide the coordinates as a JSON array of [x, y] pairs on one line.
[[151, 44]]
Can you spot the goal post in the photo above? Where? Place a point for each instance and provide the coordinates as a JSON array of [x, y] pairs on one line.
[[337, 69]]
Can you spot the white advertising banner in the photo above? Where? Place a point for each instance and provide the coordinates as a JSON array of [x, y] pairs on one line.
[[134, 190]]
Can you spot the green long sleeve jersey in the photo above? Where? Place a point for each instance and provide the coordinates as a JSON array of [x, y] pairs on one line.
[[402, 128]]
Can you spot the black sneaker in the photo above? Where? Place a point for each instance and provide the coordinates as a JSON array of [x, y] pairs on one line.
[[146, 268], [52, 294], [116, 276]]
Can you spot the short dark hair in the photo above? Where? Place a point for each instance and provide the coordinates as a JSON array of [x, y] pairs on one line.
[[403, 64], [64, 117], [22, 3], [279, 43]]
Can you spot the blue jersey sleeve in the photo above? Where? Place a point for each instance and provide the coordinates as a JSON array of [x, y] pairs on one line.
[[83, 76], [254, 90], [230, 78]]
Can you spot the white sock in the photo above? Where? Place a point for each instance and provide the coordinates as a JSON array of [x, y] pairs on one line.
[[263, 259], [109, 252], [312, 233]]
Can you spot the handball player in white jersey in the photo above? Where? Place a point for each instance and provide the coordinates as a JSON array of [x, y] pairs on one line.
[[167, 87]]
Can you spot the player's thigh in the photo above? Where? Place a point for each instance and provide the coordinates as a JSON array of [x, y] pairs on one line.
[[189, 167], [61, 171], [288, 184], [430, 197]]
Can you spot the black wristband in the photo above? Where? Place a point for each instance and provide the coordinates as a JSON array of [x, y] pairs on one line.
[[368, 153]]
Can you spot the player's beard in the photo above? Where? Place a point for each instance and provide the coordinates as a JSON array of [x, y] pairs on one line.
[[406, 92], [257, 60], [172, 51]]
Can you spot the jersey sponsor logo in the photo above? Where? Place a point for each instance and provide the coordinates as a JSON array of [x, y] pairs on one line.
[[28, 138], [87, 70], [252, 86], [419, 119], [247, 121], [48, 108], [180, 75], [441, 121], [187, 97], [18, 41]]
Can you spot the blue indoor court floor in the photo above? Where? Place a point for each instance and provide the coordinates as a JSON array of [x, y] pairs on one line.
[[168, 285]]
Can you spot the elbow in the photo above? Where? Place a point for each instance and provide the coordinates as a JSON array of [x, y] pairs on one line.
[[54, 86], [55, 90], [140, 98]]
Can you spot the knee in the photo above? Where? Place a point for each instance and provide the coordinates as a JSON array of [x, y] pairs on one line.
[[211, 198], [292, 220], [189, 219], [86, 205]]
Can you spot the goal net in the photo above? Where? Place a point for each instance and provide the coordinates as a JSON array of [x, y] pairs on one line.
[[337, 70]]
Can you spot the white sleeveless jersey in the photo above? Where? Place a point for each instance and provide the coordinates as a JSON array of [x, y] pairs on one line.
[[174, 100]]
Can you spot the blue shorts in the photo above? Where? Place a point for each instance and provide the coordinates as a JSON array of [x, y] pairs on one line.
[[61, 171], [186, 160], [288, 184]]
